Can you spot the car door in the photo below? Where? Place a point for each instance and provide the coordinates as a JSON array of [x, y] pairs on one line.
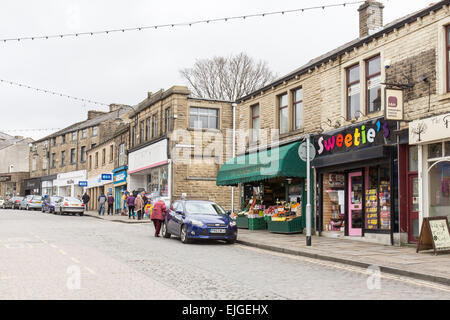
[[171, 223]]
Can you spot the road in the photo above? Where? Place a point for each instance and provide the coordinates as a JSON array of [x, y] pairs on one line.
[[44, 256]]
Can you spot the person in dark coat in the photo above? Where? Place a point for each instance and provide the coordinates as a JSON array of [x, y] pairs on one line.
[[158, 214], [86, 199], [130, 203], [110, 204]]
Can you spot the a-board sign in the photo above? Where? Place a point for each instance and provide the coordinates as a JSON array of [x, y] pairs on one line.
[[434, 235]]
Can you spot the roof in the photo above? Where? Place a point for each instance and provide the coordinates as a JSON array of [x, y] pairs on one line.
[[336, 53], [86, 124]]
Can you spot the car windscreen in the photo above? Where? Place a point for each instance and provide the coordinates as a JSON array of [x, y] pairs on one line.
[[204, 208], [71, 199]]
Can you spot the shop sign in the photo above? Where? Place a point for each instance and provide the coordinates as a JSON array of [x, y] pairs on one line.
[[107, 176], [394, 104], [429, 129], [5, 178], [358, 136], [151, 156], [82, 183], [120, 177]]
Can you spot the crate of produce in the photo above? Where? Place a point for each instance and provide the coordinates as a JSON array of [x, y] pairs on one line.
[[242, 222], [257, 224], [295, 225]]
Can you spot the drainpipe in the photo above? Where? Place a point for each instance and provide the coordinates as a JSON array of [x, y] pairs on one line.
[[233, 105]]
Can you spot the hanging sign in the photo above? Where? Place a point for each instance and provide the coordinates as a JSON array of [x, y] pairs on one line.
[[394, 104], [434, 235]]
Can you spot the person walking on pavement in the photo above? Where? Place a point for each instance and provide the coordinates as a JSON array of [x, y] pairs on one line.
[[158, 214], [139, 206], [110, 204], [101, 204], [130, 203], [86, 199]]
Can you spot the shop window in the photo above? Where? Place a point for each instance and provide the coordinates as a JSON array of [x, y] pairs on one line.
[[297, 96], [334, 201], [283, 115], [373, 85], [439, 188], [447, 148], [435, 150], [385, 199], [353, 92], [413, 159], [371, 204]]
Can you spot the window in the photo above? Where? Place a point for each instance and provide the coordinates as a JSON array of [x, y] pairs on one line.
[[72, 156], [63, 158], [155, 126], [94, 131], [447, 37], [373, 85], [111, 153], [255, 122], [96, 159], [90, 162], [283, 116], [83, 154], [33, 165], [134, 136], [103, 156], [435, 150], [353, 92], [74, 136], [53, 160], [204, 118], [413, 158], [168, 116], [122, 154], [297, 97], [63, 139], [93, 145], [54, 141], [148, 128], [83, 134], [44, 163], [142, 132]]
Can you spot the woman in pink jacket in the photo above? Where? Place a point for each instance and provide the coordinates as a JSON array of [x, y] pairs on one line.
[[158, 214]]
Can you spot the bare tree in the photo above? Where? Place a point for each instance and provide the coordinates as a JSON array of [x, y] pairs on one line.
[[227, 78]]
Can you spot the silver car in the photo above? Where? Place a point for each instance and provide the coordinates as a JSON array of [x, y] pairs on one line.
[[31, 202], [69, 205]]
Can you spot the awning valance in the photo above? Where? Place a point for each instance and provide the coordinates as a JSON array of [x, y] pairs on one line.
[[283, 161]]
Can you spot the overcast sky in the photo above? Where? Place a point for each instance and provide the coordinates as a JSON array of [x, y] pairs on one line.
[[123, 67]]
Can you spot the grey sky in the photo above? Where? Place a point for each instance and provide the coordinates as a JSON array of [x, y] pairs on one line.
[[122, 67]]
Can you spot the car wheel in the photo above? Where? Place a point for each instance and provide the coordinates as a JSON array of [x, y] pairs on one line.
[[164, 232], [184, 235], [231, 241], [28, 208], [81, 214]]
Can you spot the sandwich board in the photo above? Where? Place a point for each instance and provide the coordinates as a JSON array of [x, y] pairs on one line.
[[434, 235]]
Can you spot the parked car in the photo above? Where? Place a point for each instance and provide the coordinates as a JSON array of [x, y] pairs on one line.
[[48, 204], [69, 205], [31, 202], [199, 219], [12, 203]]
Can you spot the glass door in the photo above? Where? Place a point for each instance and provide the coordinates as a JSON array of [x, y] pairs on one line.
[[413, 208], [355, 203]]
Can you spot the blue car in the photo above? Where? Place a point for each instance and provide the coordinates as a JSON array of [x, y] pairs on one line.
[[198, 219], [48, 205]]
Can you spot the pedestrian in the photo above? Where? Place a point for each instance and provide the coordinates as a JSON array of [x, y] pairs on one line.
[[101, 204], [110, 204], [139, 206], [130, 203], [158, 214], [144, 197], [86, 199]]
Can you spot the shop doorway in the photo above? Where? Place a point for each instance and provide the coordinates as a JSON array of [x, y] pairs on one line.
[[355, 203], [413, 208]]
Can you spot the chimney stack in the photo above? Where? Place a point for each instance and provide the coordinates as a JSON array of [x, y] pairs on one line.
[[370, 17], [94, 113]]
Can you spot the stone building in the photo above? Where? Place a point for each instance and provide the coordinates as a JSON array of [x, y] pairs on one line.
[[367, 184], [58, 161], [177, 145], [103, 159], [14, 164]]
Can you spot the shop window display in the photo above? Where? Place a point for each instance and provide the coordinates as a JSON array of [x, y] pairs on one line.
[[439, 188], [334, 202]]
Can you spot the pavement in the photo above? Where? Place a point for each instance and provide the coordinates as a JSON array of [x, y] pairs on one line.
[[399, 260], [403, 260]]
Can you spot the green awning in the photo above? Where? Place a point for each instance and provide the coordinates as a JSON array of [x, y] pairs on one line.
[[262, 165]]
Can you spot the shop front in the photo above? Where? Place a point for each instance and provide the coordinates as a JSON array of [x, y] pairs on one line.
[[98, 184], [120, 185], [32, 186], [356, 190], [431, 138], [149, 168], [67, 184], [272, 184], [47, 185]]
